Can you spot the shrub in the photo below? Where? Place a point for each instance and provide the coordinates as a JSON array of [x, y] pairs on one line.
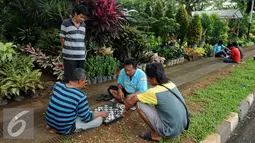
[[49, 42], [18, 76], [195, 30], [105, 22], [6, 52], [158, 9], [131, 44], [24, 19], [165, 27], [101, 66], [170, 11], [218, 31], [183, 19], [208, 50]]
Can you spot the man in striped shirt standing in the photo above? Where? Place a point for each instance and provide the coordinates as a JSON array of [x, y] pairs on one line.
[[68, 109], [72, 39]]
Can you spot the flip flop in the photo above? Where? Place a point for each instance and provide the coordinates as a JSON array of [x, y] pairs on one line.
[[147, 136], [108, 97], [101, 97]]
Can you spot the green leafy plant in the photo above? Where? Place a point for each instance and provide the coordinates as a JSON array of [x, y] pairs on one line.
[[101, 66], [195, 30], [183, 19], [49, 42], [18, 76], [165, 27], [55, 64], [158, 9], [218, 31], [131, 44], [208, 49], [6, 52]]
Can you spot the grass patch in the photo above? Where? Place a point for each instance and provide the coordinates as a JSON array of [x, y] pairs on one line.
[[220, 98]]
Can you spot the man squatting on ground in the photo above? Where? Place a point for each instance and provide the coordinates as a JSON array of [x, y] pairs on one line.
[[72, 38], [131, 81], [158, 107], [68, 109]]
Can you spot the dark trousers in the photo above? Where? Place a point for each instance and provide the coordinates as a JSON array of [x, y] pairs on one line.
[[69, 66], [223, 52], [228, 60]]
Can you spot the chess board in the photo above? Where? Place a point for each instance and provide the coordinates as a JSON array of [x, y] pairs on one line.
[[115, 112]]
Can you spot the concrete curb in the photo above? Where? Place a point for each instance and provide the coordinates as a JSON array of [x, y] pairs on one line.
[[224, 130]]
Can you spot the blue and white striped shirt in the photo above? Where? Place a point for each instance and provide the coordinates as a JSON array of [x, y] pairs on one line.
[[66, 104]]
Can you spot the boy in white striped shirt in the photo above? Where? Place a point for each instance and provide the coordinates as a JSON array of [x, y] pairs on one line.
[[72, 36]]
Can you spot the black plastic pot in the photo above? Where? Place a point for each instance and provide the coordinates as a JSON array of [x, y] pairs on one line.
[[104, 78], [93, 80], [109, 78], [99, 79], [88, 81]]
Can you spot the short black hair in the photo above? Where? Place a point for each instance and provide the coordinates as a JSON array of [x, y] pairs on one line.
[[235, 44], [130, 61], [229, 45], [156, 70], [80, 9], [220, 42], [78, 74]]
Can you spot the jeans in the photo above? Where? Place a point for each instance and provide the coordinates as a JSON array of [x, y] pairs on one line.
[[69, 66], [223, 52], [228, 60]]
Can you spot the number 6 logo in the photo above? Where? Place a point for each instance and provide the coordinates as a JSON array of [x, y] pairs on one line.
[[14, 122]]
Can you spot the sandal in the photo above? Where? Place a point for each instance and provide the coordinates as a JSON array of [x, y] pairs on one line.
[[108, 97], [101, 97], [147, 136]]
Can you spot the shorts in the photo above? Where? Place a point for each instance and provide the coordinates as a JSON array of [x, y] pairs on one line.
[[152, 114], [114, 87]]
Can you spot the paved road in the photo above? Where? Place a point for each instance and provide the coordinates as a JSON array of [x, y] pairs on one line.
[[245, 132]]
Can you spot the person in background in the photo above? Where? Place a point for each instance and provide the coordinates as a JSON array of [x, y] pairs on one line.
[[68, 109], [72, 37], [161, 110], [239, 48], [219, 49], [235, 56]]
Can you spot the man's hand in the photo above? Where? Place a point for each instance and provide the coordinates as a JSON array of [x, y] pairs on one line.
[[104, 114], [121, 94], [124, 114]]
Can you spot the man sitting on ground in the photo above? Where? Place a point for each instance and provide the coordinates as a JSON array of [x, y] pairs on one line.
[[235, 56], [131, 81], [161, 110], [219, 49], [68, 110], [239, 48]]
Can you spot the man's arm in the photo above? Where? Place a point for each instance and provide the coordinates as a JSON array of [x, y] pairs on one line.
[[130, 102], [83, 110], [62, 40], [62, 34]]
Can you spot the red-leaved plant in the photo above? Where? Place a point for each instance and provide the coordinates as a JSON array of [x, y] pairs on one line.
[[105, 21]]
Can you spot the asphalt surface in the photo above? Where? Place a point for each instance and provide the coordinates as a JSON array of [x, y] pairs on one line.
[[245, 132]]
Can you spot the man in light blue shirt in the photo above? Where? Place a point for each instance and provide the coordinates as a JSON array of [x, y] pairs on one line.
[[219, 49], [131, 81]]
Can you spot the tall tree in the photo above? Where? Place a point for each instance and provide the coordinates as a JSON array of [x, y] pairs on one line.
[[182, 18], [194, 31], [158, 9]]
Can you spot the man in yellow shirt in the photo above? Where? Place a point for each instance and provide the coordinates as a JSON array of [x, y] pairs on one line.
[[158, 107]]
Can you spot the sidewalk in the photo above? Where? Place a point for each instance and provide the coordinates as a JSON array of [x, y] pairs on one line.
[[182, 75]]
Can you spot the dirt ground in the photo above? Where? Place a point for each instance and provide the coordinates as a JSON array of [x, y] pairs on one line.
[[128, 129]]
